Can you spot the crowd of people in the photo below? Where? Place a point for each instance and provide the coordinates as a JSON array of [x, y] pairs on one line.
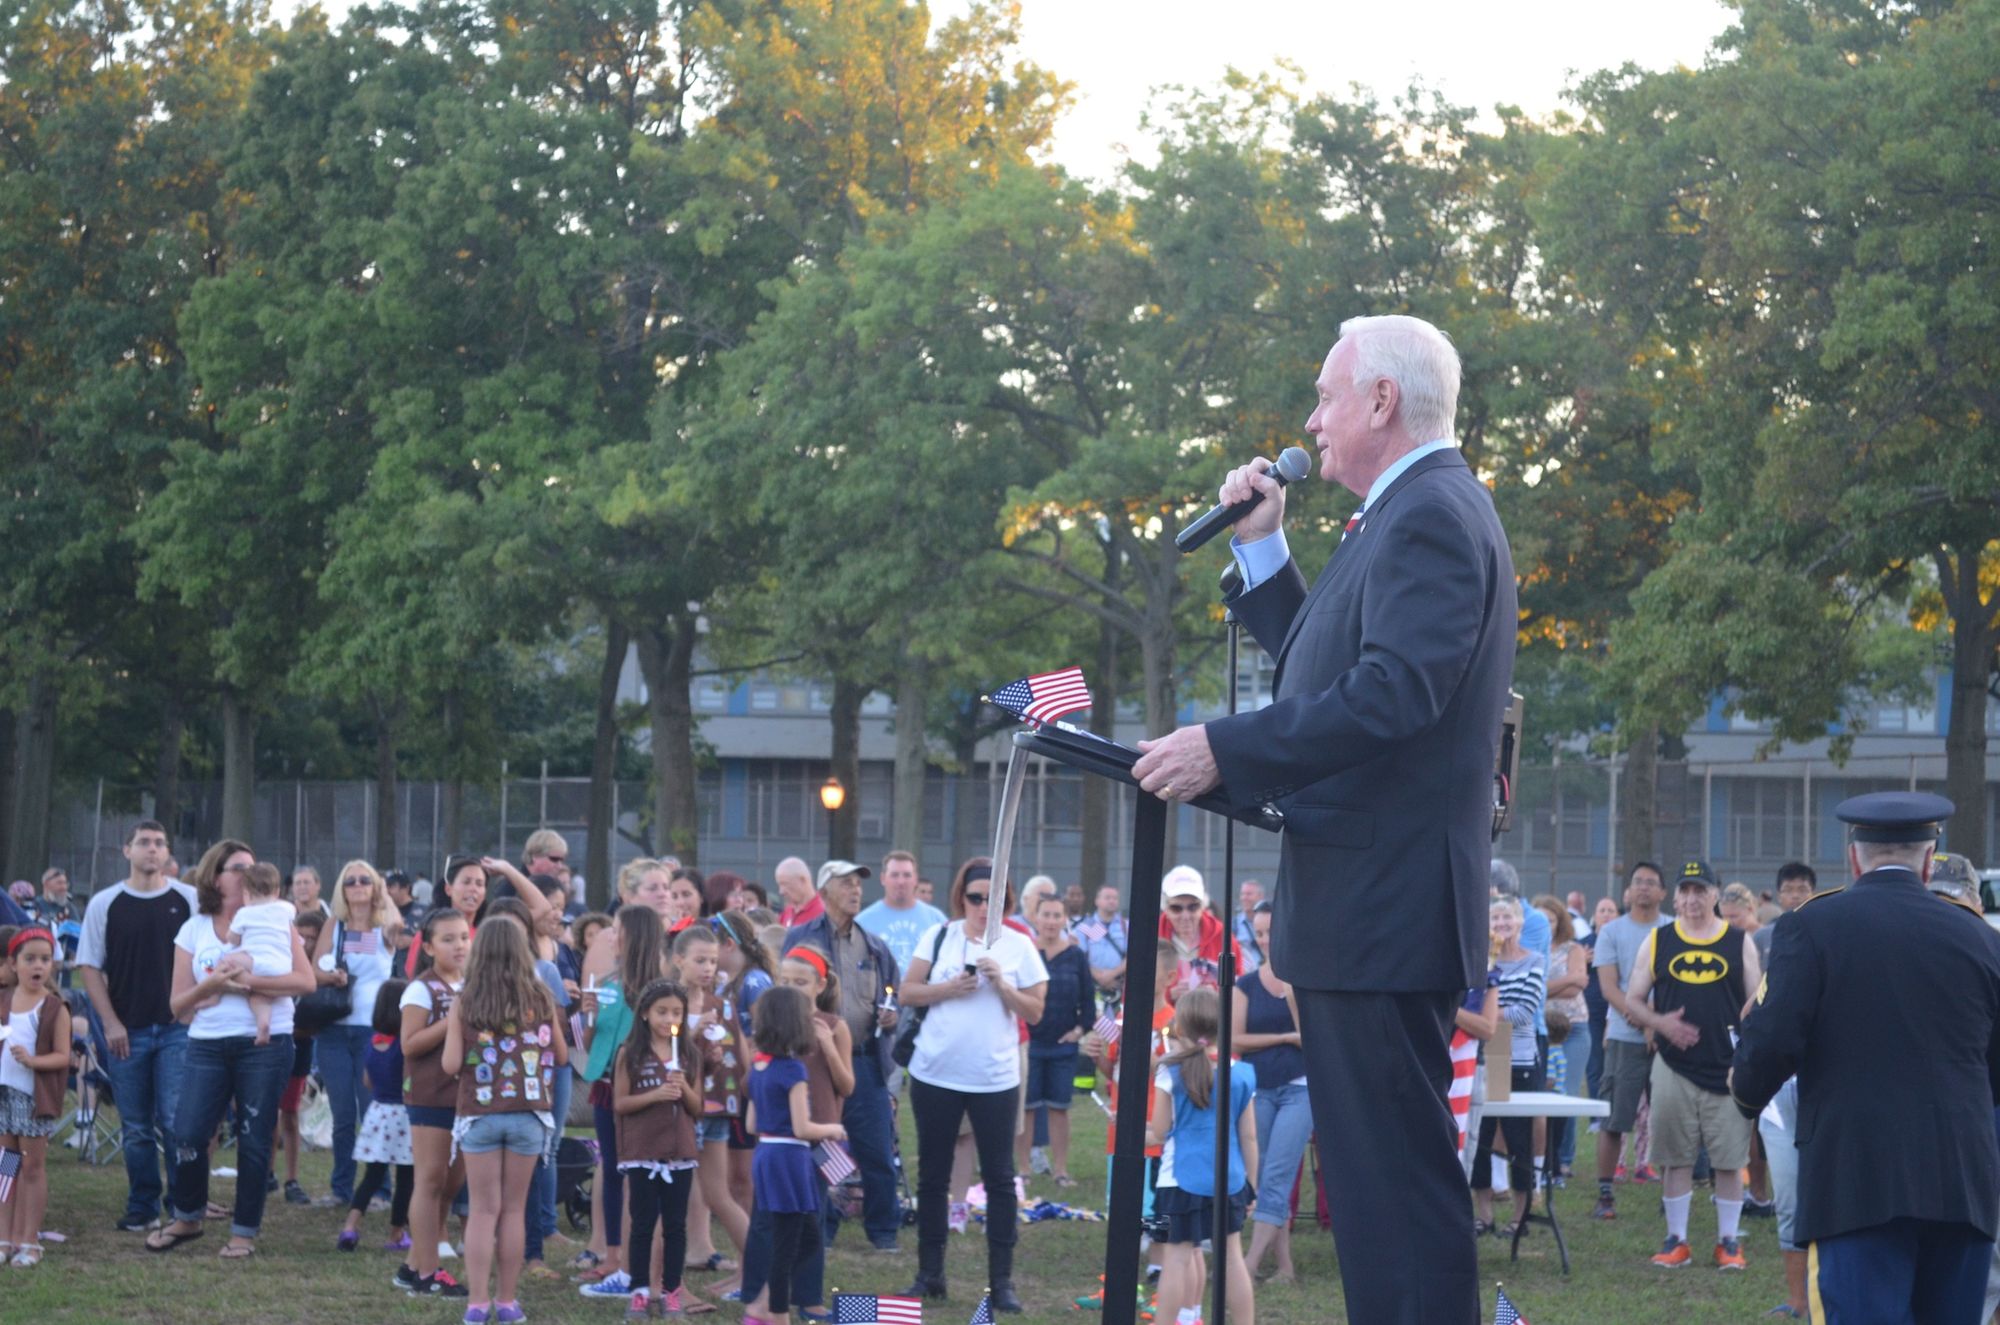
[[739, 1059]]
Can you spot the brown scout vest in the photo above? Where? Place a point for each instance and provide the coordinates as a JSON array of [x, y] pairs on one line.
[[821, 1098], [507, 1070], [425, 1085], [49, 1085], [660, 1133]]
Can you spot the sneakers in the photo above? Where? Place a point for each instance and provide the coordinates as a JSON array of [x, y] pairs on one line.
[[617, 1284], [1038, 1160], [1756, 1209], [1674, 1253], [1729, 1255], [478, 1315], [639, 1305], [960, 1217], [508, 1313], [402, 1243], [295, 1194], [405, 1278], [440, 1284], [1605, 1208], [1618, 1174], [1644, 1173], [349, 1239], [447, 1252], [671, 1307], [134, 1224]]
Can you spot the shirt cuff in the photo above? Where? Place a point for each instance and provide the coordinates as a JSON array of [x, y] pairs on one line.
[[1260, 560]]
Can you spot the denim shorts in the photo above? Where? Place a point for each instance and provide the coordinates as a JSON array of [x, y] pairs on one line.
[[422, 1115], [712, 1129], [516, 1133], [1051, 1076]]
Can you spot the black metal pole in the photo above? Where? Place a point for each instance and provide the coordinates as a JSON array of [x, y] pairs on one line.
[[1225, 1133], [1135, 1043]]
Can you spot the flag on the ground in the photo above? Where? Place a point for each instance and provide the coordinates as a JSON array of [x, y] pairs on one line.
[[1045, 697], [1107, 1026], [1504, 1313], [10, 1165], [868, 1309], [835, 1165], [1464, 1067], [984, 1315]]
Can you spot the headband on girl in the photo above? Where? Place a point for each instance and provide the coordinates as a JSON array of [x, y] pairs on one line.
[[978, 873], [14, 944], [810, 958], [719, 922]]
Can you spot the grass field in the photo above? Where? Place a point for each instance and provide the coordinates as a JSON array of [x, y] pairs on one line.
[[101, 1275]]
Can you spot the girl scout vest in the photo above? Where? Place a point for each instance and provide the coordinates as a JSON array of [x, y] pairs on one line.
[[425, 1083], [509, 1070], [659, 1132]]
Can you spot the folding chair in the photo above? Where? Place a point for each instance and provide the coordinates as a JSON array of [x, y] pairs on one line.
[[84, 1126]]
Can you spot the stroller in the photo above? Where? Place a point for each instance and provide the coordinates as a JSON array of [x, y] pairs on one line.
[[86, 1125], [576, 1163]]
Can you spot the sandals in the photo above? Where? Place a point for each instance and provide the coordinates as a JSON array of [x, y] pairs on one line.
[[585, 1260], [164, 1239], [27, 1256], [716, 1261], [238, 1251]]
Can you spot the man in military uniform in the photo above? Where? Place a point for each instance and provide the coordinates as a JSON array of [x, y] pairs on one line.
[[1899, 1171]]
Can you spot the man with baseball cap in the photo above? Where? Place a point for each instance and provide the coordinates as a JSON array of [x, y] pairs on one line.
[[867, 969], [1689, 987], [1899, 1172]]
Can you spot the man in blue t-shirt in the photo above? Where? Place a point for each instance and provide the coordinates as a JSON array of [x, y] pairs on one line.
[[899, 919]]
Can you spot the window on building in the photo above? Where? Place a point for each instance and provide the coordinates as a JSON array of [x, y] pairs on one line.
[[1766, 819]]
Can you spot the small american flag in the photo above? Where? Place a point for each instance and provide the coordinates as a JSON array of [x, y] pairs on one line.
[[1046, 697], [1107, 1026], [835, 1165], [363, 944], [1091, 930], [866, 1309], [984, 1315], [1504, 1313], [10, 1165]]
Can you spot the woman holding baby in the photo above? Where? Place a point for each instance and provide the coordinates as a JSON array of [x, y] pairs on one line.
[[230, 1054]]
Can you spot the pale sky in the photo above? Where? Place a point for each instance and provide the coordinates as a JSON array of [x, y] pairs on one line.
[[1476, 52]]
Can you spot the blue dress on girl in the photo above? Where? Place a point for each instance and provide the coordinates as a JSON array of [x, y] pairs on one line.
[[781, 1171]]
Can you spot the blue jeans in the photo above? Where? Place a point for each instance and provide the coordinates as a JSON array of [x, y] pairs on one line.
[[146, 1086], [339, 1052], [870, 1136], [1284, 1126], [1781, 1151], [232, 1068], [541, 1213]]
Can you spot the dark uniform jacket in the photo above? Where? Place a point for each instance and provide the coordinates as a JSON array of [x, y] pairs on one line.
[[1885, 1001], [1380, 741]]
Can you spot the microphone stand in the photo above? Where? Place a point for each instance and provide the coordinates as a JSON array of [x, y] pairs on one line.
[[1225, 1132]]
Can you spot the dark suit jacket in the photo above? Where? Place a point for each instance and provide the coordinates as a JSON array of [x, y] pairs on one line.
[[1379, 747], [1884, 999]]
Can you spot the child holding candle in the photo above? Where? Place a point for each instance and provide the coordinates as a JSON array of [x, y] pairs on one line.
[[657, 1104]]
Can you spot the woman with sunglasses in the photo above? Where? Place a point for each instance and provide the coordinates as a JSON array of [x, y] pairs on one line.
[[358, 950], [968, 1065]]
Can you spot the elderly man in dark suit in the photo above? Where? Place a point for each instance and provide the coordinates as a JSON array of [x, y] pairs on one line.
[[1379, 746]]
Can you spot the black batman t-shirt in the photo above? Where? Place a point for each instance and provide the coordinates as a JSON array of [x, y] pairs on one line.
[[1704, 980]]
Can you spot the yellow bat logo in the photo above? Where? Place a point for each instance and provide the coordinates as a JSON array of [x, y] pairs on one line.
[[1697, 968]]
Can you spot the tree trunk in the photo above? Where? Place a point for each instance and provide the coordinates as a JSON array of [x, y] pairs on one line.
[[1638, 799], [967, 798], [34, 778], [388, 818], [667, 660], [1972, 643], [906, 817], [1094, 867], [8, 781], [239, 766], [601, 832], [167, 767], [452, 812], [846, 719]]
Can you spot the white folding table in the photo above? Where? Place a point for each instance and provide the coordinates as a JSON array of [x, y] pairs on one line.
[[1545, 1104]]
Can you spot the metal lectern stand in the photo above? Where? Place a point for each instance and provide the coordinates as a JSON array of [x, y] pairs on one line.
[[1094, 755]]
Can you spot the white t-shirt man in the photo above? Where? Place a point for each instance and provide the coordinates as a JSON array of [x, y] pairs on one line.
[[972, 1044]]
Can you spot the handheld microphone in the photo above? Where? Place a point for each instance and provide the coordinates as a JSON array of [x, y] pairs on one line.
[[1293, 464]]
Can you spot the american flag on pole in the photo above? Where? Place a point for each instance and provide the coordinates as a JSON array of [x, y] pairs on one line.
[[835, 1165], [867, 1309], [1107, 1026], [10, 1165], [984, 1315], [1045, 697], [1505, 1314]]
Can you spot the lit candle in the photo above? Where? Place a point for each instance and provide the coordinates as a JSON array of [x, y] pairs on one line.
[[590, 987], [888, 998], [674, 1048]]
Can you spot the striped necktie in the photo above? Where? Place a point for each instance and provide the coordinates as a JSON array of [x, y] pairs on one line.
[[1353, 522]]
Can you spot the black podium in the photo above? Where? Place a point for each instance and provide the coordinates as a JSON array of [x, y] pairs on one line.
[[1098, 757]]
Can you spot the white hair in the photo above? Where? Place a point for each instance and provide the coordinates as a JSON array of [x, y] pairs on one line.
[[1419, 359], [1506, 903]]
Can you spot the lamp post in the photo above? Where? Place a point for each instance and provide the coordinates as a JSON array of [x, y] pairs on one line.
[[833, 796]]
